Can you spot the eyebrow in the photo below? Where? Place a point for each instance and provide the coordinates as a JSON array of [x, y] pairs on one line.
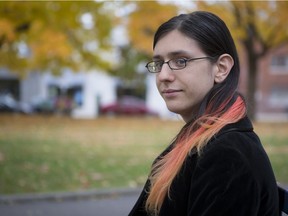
[[173, 54]]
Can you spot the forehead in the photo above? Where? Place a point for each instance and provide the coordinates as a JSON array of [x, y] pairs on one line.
[[175, 43]]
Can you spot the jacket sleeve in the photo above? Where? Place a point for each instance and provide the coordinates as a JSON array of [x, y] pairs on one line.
[[223, 182]]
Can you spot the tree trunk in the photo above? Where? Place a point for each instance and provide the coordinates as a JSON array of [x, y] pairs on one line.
[[252, 84]]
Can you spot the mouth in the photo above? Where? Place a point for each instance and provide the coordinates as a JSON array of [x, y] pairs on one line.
[[171, 92]]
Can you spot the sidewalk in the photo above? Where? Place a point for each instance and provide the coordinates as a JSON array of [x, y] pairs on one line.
[[83, 203]]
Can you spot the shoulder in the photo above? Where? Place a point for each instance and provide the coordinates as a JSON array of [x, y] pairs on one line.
[[236, 140], [235, 144], [235, 153]]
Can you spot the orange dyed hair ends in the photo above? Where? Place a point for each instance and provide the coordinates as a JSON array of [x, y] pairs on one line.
[[166, 168]]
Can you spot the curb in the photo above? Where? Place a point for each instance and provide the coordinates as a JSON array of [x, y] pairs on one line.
[[64, 196]]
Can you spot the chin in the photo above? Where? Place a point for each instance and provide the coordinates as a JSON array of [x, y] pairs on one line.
[[175, 110], [181, 111]]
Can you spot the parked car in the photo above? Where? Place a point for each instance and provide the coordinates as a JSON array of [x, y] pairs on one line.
[[8, 104], [43, 106], [59, 105], [127, 105]]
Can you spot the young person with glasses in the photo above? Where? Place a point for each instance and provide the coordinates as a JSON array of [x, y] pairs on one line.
[[216, 164]]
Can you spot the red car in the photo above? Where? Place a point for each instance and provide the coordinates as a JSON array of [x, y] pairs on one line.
[[127, 106]]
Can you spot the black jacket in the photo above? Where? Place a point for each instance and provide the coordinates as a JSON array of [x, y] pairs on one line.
[[232, 177]]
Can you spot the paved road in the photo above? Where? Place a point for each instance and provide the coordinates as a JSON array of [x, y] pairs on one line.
[[117, 203]]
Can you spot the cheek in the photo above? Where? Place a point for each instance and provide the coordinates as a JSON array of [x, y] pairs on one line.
[[201, 84], [207, 77], [157, 82]]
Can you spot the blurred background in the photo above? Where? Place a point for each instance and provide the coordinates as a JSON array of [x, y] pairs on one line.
[[78, 109]]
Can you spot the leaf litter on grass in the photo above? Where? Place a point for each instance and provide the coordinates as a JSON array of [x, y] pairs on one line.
[[60, 153]]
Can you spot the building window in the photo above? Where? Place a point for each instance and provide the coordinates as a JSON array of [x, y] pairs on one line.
[[279, 97], [279, 64]]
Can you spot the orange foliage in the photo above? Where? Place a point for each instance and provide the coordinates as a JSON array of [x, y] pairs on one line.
[[6, 30]]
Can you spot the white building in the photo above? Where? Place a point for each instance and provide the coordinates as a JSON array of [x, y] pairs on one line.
[[93, 89], [89, 90]]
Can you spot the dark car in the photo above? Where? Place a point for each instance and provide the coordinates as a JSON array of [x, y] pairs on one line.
[[44, 106], [127, 105]]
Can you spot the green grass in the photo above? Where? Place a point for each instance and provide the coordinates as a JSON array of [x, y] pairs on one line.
[[277, 149], [46, 154], [42, 154]]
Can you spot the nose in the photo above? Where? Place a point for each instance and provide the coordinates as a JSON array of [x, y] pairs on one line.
[[166, 74]]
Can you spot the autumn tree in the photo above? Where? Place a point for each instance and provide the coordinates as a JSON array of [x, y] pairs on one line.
[[50, 35], [144, 21], [258, 27], [141, 21]]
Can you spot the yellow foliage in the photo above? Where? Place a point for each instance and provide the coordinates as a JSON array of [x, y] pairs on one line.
[[223, 10], [51, 31], [144, 22], [51, 44], [268, 18]]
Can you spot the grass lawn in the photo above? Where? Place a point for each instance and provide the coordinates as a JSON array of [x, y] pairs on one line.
[[45, 153]]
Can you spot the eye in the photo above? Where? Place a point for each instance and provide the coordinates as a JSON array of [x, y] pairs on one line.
[[179, 62]]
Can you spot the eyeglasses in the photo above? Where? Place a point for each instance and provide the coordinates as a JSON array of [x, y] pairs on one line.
[[174, 64]]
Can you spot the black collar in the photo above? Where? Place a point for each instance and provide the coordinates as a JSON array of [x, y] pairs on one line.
[[244, 125]]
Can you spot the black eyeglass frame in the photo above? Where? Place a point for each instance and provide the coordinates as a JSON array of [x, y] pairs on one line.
[[167, 62]]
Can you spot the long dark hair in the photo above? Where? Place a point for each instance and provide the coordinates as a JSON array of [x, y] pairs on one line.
[[221, 106]]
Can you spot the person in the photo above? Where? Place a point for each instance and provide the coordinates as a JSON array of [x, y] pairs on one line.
[[216, 164]]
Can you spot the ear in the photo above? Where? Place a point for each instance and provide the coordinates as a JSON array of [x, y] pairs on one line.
[[224, 64]]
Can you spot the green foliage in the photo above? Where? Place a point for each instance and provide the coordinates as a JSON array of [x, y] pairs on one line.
[[129, 59], [128, 70]]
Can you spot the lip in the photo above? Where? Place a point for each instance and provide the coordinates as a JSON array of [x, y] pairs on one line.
[[171, 92]]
